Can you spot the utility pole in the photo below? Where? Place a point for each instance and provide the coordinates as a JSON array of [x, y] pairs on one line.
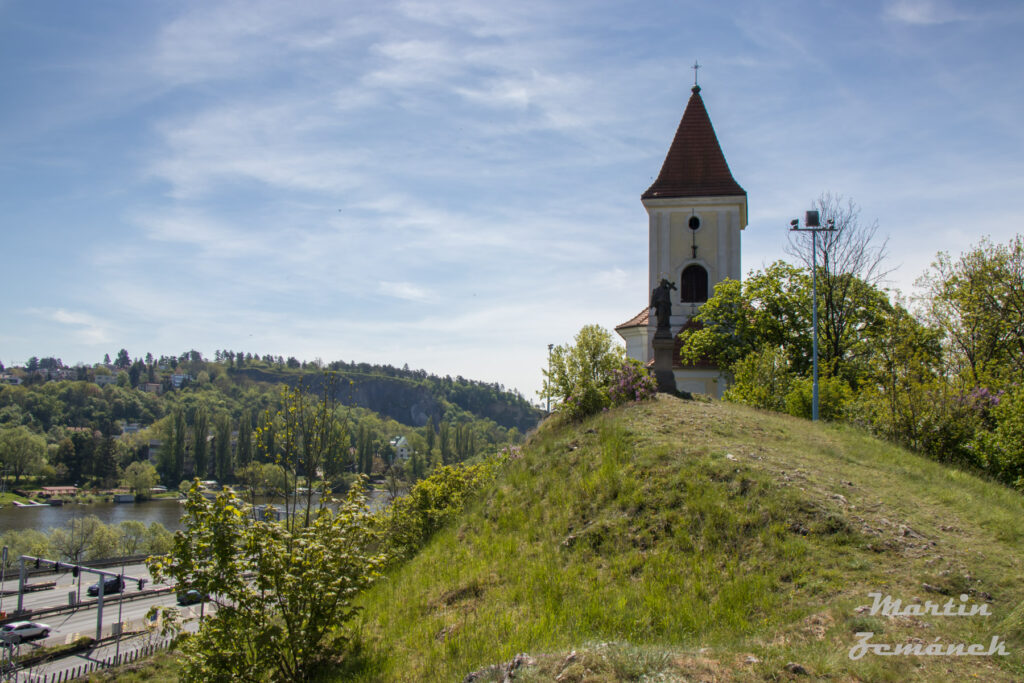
[[548, 392], [812, 224]]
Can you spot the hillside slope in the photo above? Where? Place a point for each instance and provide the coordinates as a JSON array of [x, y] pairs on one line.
[[411, 400], [704, 541]]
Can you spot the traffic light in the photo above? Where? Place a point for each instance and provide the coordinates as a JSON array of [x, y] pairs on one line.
[[142, 583], [74, 571], [37, 563], [56, 567]]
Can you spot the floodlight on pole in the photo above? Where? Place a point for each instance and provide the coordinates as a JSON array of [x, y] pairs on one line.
[[548, 392], [812, 224]]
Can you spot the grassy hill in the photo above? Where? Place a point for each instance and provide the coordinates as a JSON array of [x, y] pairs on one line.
[[703, 541]]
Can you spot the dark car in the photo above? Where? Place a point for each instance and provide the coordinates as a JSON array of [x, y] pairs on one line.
[[190, 597], [112, 584]]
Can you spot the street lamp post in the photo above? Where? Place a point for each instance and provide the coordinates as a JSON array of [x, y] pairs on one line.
[[812, 224], [548, 392]]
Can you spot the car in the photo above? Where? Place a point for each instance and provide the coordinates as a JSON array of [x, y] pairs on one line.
[[111, 584], [190, 597], [18, 631]]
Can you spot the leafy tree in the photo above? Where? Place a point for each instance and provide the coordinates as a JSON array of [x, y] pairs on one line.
[[140, 477], [172, 453], [303, 581], [25, 542], [850, 268], [132, 539], [73, 540], [123, 360], [588, 362], [977, 301], [200, 447], [761, 379], [770, 309], [244, 447], [222, 459], [105, 463], [32, 365], [21, 451]]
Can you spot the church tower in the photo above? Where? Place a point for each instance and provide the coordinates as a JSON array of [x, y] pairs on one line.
[[696, 211]]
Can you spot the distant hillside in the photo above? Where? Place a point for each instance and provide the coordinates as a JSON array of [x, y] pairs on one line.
[[679, 540], [412, 397]]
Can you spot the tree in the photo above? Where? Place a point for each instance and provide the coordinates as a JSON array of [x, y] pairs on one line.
[[223, 465], [978, 302], [123, 360], [105, 463], [140, 477], [588, 362], [769, 310], [72, 541], [200, 447], [279, 589], [132, 534], [850, 268], [172, 452], [244, 448], [21, 451]]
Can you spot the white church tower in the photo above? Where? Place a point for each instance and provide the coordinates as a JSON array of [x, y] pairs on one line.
[[696, 211]]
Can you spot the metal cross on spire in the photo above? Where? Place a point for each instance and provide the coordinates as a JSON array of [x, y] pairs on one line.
[[695, 67]]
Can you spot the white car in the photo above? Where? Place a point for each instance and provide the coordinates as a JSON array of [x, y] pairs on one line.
[[18, 631]]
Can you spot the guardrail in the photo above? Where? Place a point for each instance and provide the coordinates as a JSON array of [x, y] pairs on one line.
[[87, 604]]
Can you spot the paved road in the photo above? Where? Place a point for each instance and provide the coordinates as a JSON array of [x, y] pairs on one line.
[[82, 620], [66, 584]]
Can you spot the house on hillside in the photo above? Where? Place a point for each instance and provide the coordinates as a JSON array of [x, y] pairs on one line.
[[401, 446]]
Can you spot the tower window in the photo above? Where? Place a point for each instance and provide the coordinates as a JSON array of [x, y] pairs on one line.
[[693, 284]]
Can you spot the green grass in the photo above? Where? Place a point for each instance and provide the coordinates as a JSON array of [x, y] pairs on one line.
[[691, 539]]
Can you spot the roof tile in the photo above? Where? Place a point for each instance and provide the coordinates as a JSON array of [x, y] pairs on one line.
[[694, 165]]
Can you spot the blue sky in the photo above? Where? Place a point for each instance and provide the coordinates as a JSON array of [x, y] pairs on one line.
[[456, 184]]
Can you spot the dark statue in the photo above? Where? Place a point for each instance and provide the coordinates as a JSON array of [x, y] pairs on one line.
[[661, 302]]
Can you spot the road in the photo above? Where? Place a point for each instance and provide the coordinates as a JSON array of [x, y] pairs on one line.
[[82, 619]]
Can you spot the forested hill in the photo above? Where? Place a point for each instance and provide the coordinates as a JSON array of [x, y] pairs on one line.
[[409, 396]]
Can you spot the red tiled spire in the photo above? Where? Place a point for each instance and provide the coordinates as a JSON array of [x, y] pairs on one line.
[[694, 165]]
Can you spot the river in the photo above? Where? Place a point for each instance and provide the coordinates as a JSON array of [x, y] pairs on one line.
[[165, 511]]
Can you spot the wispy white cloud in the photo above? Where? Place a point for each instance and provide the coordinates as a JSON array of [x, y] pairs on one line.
[[406, 290], [922, 12], [89, 328]]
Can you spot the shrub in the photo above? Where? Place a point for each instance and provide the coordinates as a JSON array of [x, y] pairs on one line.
[[631, 382], [761, 379], [410, 521], [833, 396]]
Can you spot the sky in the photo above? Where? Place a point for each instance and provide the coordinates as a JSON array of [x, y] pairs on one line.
[[455, 184]]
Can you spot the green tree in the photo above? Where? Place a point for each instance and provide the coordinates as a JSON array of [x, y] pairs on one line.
[[200, 446], [588, 362], [278, 590], [850, 267], [761, 379], [244, 447], [172, 451], [222, 459], [140, 477], [21, 451], [977, 301], [132, 537]]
